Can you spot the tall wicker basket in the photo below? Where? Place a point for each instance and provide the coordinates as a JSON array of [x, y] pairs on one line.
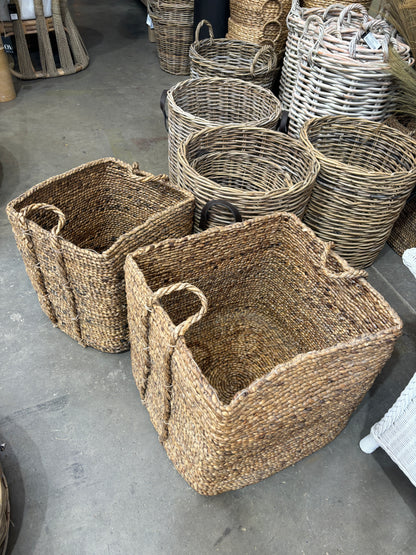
[[368, 171], [251, 346], [74, 232], [195, 104]]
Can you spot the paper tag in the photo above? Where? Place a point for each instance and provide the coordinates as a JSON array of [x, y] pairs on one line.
[[8, 45], [14, 15], [149, 21], [372, 41]]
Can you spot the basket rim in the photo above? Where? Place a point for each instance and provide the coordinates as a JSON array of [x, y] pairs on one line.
[[111, 251], [212, 398], [197, 57], [353, 121], [308, 156], [221, 80]]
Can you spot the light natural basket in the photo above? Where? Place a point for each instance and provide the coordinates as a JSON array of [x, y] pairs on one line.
[[341, 75], [174, 32], [285, 341], [232, 58], [4, 513], [368, 171], [258, 170], [195, 104], [74, 232]]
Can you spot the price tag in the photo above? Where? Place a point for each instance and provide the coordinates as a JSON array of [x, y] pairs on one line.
[[8, 45], [14, 14], [149, 21], [372, 41]]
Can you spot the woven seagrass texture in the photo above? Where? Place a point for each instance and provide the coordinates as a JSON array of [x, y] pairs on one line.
[[270, 366], [173, 23], [4, 513], [74, 232], [232, 58], [367, 172], [259, 21], [339, 74], [195, 104], [63, 55], [258, 170], [403, 234], [296, 21]]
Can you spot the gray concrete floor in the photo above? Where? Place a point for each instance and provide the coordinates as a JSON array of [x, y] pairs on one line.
[[86, 471]]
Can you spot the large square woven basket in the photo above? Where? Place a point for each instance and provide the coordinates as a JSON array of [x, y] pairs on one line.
[[251, 346], [74, 232]]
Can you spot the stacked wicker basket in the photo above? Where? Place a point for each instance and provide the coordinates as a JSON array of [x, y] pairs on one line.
[[259, 21], [173, 22]]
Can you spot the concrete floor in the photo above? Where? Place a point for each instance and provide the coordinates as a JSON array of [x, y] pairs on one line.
[[86, 471]]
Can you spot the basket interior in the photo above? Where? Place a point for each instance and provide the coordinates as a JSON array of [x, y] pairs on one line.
[[375, 149], [268, 300], [225, 101], [101, 202], [243, 171]]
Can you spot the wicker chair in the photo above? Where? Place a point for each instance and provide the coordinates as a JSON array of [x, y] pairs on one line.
[[63, 56]]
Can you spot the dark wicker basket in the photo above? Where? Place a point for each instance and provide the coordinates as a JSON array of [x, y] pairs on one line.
[[232, 58], [285, 341], [74, 232]]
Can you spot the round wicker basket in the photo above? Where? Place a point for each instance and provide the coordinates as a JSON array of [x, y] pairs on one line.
[[257, 170], [195, 104], [232, 58], [368, 171]]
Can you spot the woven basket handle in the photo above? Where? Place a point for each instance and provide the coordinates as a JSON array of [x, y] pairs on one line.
[[182, 328], [366, 28], [199, 27], [265, 50], [38, 207], [348, 273], [295, 7], [273, 22], [203, 222], [163, 100], [179, 331], [346, 13]]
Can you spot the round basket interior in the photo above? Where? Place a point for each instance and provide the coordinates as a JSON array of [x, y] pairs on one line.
[[366, 146], [223, 101], [243, 171]]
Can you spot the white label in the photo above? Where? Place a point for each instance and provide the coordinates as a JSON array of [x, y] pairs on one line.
[[372, 41], [149, 21]]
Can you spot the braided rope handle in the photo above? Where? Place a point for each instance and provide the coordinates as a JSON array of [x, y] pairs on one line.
[[273, 22], [267, 50], [276, 3], [37, 207], [182, 328], [179, 331], [60, 263], [146, 177], [210, 30], [348, 273]]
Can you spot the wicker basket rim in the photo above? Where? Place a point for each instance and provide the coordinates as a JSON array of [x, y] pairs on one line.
[[361, 171], [259, 69], [308, 156], [224, 80], [396, 322], [111, 251]]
